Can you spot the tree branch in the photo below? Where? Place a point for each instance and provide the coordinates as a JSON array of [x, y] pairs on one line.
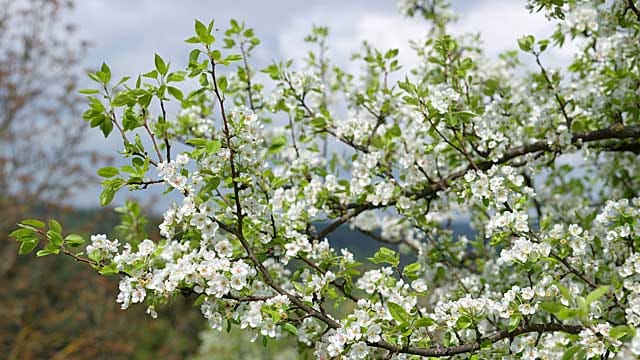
[[470, 347], [632, 7], [239, 231]]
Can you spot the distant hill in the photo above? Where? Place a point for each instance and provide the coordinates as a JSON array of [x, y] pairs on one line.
[[363, 246]]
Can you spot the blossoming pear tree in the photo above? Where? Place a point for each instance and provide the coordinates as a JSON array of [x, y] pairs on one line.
[[542, 162]]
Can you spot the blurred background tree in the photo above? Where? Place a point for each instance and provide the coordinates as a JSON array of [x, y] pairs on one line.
[[43, 163], [41, 158]]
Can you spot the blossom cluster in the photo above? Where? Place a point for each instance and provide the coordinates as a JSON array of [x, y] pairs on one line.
[[540, 163]]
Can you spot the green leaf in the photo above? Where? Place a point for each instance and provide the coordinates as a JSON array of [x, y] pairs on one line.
[[486, 344], [94, 77], [153, 74], [273, 71], [391, 54], [290, 329], [526, 43], [176, 76], [200, 300], [201, 29], [27, 246], [411, 271], [465, 115], [223, 83], [161, 66], [34, 223], [193, 40], [466, 64], [567, 314], [108, 270], [123, 80], [596, 294], [22, 233], [621, 331], [397, 312], [130, 120], [424, 322], [277, 145], [55, 226], [564, 291], [463, 322], [108, 172], [28, 237], [88, 91], [74, 240], [106, 72], [543, 44], [571, 352], [175, 92], [203, 33], [232, 58], [385, 255], [583, 307], [121, 99], [194, 55], [447, 340], [55, 237], [319, 122], [110, 187], [106, 127], [514, 321], [552, 307], [44, 252], [394, 131], [213, 146], [197, 142]]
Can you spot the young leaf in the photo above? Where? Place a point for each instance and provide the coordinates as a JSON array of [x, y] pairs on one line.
[[104, 69], [526, 43], [161, 66], [596, 294], [175, 92], [290, 329], [463, 322], [74, 240], [411, 271], [27, 246], [277, 145], [55, 238], [398, 312], [108, 172], [55, 226], [424, 322], [34, 223]]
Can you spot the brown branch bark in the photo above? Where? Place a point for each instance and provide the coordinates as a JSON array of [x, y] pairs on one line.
[[634, 8], [470, 347], [239, 230]]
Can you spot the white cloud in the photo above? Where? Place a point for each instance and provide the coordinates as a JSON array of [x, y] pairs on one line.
[[349, 27], [500, 23]]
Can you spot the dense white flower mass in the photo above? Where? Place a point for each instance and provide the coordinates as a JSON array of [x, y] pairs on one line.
[[540, 162]]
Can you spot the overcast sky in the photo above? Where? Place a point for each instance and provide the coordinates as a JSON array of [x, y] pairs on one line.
[[126, 33]]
